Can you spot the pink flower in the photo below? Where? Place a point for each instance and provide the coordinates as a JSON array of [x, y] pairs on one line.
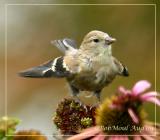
[[124, 110], [96, 133], [92, 133], [136, 96], [138, 91]]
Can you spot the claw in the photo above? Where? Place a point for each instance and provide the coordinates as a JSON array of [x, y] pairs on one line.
[[95, 105], [80, 103]]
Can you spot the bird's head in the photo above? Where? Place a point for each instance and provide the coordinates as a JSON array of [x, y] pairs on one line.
[[97, 41]]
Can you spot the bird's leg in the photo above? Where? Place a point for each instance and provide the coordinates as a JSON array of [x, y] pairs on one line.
[[97, 94], [75, 92]]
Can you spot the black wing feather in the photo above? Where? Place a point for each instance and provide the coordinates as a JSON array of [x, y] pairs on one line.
[[53, 68], [123, 70]]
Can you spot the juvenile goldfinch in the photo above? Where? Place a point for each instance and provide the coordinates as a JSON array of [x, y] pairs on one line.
[[89, 68]]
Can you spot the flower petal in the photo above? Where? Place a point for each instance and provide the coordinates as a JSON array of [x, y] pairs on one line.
[[137, 138], [149, 129], [149, 94], [99, 137], [118, 137], [113, 138], [147, 137], [123, 138], [133, 116], [122, 90], [153, 100], [86, 133], [113, 106], [140, 87]]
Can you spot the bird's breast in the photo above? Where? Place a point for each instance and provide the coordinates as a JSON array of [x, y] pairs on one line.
[[93, 80], [94, 72]]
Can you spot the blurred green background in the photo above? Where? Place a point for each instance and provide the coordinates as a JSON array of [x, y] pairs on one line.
[[32, 27]]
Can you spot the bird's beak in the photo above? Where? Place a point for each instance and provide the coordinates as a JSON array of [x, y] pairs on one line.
[[109, 40]]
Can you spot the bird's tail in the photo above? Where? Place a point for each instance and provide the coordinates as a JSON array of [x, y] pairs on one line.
[[52, 68]]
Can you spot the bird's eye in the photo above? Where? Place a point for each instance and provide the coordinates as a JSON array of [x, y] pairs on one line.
[[96, 40]]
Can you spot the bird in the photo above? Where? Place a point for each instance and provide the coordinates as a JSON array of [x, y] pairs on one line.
[[90, 67]]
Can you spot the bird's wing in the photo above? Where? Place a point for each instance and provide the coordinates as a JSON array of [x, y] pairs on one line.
[[65, 44], [52, 68], [121, 68]]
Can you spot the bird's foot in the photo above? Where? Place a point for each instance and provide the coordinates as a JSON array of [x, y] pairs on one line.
[[95, 105], [80, 103]]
